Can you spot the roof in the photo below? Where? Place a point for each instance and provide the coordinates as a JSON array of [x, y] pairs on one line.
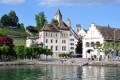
[[63, 26], [58, 12], [50, 27], [85, 30], [109, 33], [68, 19], [74, 34]]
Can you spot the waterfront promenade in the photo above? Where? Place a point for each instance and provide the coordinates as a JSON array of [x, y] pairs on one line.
[[69, 61]]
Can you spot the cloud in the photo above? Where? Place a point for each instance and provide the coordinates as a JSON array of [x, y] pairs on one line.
[[12, 2], [76, 2]]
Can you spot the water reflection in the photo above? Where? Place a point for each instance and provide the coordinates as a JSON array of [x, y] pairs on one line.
[[58, 73]]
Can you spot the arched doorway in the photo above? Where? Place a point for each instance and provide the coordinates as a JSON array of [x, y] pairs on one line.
[[89, 53]]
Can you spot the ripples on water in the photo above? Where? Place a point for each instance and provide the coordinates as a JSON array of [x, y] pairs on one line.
[[59, 73]]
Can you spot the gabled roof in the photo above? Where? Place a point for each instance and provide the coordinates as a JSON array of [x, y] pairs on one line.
[[58, 12], [50, 27], [74, 34], [63, 26], [109, 33]]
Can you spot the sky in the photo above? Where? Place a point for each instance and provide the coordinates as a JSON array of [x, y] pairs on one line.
[[84, 12]]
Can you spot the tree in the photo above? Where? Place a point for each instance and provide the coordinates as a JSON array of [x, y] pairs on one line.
[[55, 22], [40, 20], [5, 20], [4, 40], [13, 19], [19, 51], [30, 28], [21, 25], [79, 47], [4, 50], [1, 25]]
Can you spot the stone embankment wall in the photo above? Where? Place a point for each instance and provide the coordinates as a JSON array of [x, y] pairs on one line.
[[105, 63]]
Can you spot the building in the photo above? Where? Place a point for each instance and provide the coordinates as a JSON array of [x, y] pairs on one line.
[[98, 34], [60, 39]]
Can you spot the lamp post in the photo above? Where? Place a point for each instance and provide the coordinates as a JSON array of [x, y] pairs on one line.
[[114, 41]]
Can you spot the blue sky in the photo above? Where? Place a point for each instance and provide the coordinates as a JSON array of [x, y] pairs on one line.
[[84, 12]]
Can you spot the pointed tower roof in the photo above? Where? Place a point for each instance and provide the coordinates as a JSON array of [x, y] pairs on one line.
[[58, 12], [68, 19]]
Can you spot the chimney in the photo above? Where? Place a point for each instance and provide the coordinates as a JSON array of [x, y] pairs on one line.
[[68, 22], [78, 28]]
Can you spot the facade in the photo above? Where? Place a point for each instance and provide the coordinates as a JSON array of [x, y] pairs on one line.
[[60, 39], [98, 34]]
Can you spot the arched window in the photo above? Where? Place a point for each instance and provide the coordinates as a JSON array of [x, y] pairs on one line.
[[92, 44], [98, 43], [87, 44]]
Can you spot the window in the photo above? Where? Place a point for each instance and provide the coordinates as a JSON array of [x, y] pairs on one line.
[[71, 39], [56, 48], [63, 48], [92, 44], [51, 34], [98, 43], [70, 34], [51, 41], [46, 34], [87, 44], [71, 43], [46, 40], [63, 41], [51, 47], [72, 48], [56, 41], [46, 46], [56, 35]]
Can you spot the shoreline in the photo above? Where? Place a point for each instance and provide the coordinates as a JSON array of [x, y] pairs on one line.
[[104, 63]]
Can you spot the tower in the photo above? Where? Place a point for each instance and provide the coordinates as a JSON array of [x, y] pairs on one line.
[[78, 28], [58, 15], [68, 22]]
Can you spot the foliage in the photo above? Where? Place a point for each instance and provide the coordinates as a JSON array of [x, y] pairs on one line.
[[107, 47], [40, 20], [79, 47], [10, 20], [55, 22], [13, 19], [4, 49], [21, 26], [5, 20], [30, 28], [64, 55], [4, 40]]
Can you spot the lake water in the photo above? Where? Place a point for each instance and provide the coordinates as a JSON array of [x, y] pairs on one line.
[[59, 73]]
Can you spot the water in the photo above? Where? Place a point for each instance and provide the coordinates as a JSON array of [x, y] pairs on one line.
[[59, 73]]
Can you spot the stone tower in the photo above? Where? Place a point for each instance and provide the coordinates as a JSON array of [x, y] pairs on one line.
[[78, 28], [68, 22], [58, 15]]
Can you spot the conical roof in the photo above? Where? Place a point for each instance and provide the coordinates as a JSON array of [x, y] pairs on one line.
[[58, 12]]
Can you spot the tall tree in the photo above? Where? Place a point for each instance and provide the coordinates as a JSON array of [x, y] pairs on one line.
[[13, 19], [79, 47], [40, 20], [5, 20], [55, 22]]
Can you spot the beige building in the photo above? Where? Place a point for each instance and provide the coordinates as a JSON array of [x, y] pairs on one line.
[[60, 39]]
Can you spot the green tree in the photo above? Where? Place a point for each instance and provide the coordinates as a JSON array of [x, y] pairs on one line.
[[4, 50], [14, 20], [5, 20], [40, 20], [19, 51], [1, 25], [79, 47], [55, 22], [21, 25]]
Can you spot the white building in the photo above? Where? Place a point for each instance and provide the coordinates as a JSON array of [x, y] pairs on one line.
[[98, 34], [59, 38]]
